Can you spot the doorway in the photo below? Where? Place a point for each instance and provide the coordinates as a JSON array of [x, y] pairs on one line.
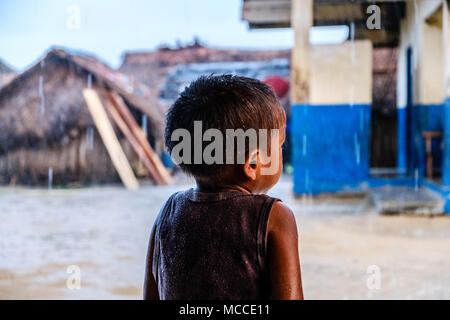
[[383, 153]]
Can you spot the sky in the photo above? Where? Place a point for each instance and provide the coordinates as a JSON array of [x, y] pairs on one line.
[[108, 28]]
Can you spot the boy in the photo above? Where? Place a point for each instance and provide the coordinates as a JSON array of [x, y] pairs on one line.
[[225, 239]]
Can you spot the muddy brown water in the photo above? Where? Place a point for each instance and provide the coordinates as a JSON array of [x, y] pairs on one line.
[[104, 232]]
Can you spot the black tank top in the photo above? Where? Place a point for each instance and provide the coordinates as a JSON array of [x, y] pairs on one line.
[[212, 246]]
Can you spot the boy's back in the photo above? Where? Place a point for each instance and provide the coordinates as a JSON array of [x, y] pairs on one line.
[[212, 245]]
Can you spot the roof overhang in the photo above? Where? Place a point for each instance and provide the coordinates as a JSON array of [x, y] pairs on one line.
[[277, 14]]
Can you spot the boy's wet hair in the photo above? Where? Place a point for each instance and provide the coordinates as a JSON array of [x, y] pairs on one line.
[[222, 102]]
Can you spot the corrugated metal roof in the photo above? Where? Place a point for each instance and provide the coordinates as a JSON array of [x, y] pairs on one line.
[[183, 74]]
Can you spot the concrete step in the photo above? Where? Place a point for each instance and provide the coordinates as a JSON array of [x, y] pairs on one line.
[[407, 200]]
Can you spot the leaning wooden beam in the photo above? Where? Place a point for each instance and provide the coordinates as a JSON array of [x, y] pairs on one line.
[[139, 134], [137, 131], [109, 138], [133, 141]]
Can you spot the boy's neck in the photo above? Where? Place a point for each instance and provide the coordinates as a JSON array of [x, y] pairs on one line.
[[203, 187]]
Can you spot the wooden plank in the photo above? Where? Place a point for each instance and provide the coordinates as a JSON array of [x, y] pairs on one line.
[[133, 141], [109, 139], [139, 134], [154, 158]]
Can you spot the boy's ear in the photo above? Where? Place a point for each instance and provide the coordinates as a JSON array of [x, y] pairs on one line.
[[251, 165]]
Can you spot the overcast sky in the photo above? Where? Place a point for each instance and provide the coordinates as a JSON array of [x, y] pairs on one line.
[[107, 28]]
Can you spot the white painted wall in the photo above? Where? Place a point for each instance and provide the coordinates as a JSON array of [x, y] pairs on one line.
[[446, 37], [432, 66], [428, 44], [341, 73]]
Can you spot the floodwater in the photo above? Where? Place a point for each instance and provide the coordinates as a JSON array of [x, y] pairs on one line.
[[103, 233]]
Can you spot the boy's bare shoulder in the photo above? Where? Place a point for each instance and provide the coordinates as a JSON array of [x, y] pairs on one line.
[[281, 219]]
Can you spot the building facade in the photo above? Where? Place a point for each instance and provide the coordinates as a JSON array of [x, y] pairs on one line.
[[331, 90]]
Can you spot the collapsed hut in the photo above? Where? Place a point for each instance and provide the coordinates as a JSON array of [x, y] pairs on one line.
[[47, 134]]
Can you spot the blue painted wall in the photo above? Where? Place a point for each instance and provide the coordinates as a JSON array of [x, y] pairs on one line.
[[402, 138], [330, 145]]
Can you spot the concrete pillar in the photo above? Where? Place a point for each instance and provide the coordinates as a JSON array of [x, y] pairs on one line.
[[330, 132], [446, 151], [404, 104], [301, 21]]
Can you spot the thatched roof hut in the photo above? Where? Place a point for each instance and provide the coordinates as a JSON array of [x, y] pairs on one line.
[[46, 130], [6, 73], [4, 68]]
